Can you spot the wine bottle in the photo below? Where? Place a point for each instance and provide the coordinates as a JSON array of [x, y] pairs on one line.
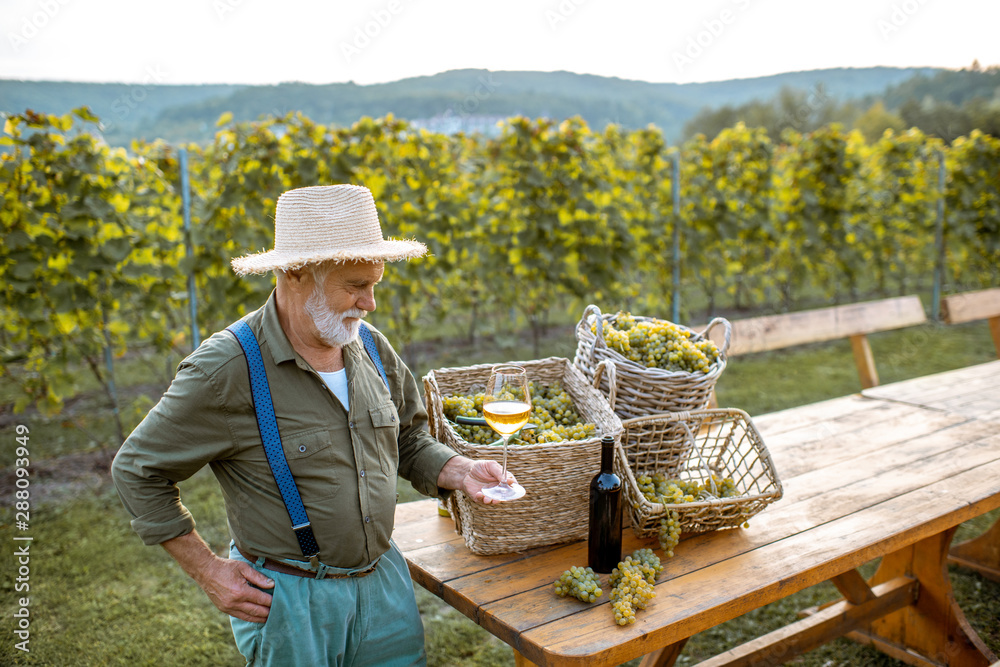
[[604, 548]]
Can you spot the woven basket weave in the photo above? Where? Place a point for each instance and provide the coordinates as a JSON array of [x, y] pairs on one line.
[[691, 446], [642, 390], [556, 475]]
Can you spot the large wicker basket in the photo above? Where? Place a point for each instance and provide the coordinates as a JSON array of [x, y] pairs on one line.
[[692, 446], [642, 390], [556, 475]]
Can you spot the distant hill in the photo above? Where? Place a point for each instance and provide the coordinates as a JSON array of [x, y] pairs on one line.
[[189, 113], [122, 107]]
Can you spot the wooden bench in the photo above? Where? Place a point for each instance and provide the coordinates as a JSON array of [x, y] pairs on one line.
[[854, 321], [971, 306]]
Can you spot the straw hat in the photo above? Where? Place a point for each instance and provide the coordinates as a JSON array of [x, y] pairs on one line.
[[327, 223]]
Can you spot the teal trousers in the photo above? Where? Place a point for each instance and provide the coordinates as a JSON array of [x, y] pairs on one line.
[[370, 620]]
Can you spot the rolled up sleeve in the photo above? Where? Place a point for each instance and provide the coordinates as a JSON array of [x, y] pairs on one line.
[[186, 430]]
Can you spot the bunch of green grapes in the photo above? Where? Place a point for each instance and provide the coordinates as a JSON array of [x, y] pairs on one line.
[[669, 533], [658, 344], [579, 582], [632, 585], [657, 488], [650, 563], [458, 405], [552, 412]]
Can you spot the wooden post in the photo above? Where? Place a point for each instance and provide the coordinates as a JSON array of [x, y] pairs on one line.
[[995, 332], [853, 587], [665, 657], [864, 360], [521, 661]]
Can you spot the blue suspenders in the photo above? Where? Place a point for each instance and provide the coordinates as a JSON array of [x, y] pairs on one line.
[[268, 426]]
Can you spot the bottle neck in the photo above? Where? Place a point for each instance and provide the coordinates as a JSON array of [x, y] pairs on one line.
[[607, 456]]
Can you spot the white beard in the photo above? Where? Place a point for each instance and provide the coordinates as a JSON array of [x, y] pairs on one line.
[[330, 325]]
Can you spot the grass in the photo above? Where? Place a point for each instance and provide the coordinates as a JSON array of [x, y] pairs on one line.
[[100, 597]]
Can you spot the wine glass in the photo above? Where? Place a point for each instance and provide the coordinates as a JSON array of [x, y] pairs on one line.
[[506, 406]]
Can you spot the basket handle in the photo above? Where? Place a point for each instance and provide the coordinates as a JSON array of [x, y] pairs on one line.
[[582, 326], [608, 365], [433, 402], [727, 334]]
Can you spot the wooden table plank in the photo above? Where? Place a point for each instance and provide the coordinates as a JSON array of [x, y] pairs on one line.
[[829, 443], [930, 388], [785, 420], [940, 398], [419, 525], [717, 593]]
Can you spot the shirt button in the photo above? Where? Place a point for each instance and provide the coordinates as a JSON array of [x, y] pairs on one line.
[[368, 519], [392, 418], [362, 473], [351, 424], [302, 448]]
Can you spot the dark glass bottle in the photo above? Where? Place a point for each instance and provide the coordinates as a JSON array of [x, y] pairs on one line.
[[604, 550]]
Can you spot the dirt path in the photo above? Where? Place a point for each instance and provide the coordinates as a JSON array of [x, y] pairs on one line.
[[57, 479]]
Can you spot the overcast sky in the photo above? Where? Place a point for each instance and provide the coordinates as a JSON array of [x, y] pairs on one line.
[[368, 41]]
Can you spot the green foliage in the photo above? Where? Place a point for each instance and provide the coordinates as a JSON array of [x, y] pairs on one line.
[[540, 220], [972, 205], [85, 264]]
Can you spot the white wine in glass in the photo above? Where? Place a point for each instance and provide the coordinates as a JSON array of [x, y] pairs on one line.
[[506, 406]]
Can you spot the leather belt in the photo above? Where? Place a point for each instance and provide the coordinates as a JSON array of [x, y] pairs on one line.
[[285, 568]]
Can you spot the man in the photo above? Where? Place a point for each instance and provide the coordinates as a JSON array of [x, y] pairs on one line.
[[346, 431]]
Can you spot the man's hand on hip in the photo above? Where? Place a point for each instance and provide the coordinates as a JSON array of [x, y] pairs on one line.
[[226, 582], [228, 585]]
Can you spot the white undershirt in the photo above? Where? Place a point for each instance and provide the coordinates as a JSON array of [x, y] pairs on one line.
[[337, 382]]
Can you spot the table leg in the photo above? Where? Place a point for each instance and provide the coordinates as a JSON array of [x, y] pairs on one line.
[[521, 661], [665, 657], [932, 631], [981, 554]]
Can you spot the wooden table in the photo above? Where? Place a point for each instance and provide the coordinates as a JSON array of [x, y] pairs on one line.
[[888, 473]]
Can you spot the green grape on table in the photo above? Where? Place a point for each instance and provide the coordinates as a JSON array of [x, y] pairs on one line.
[[579, 582], [632, 585]]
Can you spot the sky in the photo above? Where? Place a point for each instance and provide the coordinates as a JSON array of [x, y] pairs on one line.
[[373, 41]]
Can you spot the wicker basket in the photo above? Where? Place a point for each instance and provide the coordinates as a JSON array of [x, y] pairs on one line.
[[642, 390], [692, 446], [556, 475]]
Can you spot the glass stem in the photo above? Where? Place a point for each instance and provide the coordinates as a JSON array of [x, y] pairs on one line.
[[503, 475]]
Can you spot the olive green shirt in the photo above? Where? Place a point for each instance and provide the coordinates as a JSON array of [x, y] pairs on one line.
[[344, 463]]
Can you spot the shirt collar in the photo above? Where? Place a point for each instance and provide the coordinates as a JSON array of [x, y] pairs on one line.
[[281, 348]]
